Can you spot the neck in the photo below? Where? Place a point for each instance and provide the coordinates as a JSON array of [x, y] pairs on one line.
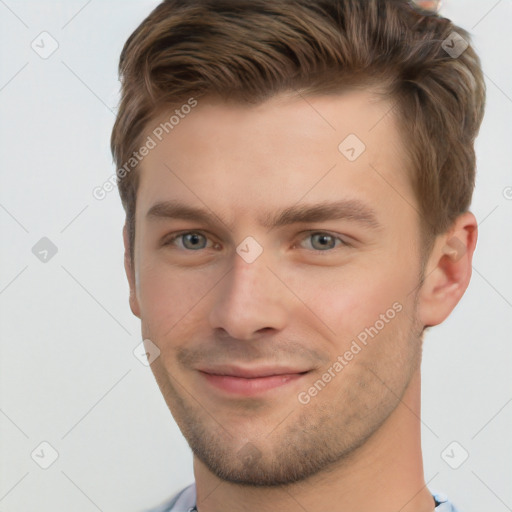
[[385, 474]]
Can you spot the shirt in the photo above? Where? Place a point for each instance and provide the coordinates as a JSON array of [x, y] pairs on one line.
[[185, 501]]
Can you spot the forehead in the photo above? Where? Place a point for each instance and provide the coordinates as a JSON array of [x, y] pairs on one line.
[[237, 157]]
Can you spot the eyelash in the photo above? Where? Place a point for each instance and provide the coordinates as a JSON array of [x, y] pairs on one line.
[[342, 242], [309, 234], [183, 233]]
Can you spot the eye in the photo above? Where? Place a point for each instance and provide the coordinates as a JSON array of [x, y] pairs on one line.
[[321, 241], [190, 240]]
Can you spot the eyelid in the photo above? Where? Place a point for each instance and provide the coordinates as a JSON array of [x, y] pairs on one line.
[[304, 235], [169, 240], [336, 236]]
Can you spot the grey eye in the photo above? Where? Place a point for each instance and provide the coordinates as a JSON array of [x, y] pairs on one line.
[[194, 241], [322, 241]]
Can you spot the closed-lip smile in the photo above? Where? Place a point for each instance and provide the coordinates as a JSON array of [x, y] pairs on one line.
[[250, 381]]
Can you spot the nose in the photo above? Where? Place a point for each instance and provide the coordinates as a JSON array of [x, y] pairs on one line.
[[250, 301]]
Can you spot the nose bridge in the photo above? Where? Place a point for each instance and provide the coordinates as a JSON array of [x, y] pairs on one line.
[[249, 300]]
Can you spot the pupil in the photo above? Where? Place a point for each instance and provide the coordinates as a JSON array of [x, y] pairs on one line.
[[193, 240], [324, 241]]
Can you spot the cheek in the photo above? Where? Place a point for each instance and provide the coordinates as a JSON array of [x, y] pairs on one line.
[[349, 299], [172, 298]]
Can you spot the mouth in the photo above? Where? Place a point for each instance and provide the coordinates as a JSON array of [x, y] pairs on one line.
[[248, 382]]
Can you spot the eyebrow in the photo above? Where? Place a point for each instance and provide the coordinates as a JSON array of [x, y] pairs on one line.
[[351, 209]]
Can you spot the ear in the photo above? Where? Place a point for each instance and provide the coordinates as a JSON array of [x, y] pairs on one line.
[[130, 273], [448, 271]]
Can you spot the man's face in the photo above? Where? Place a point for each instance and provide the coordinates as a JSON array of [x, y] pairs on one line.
[[250, 288]]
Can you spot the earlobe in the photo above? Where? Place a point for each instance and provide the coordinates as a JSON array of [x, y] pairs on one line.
[[130, 274], [448, 271]]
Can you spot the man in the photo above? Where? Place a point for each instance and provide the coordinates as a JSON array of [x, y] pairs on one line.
[[296, 177]]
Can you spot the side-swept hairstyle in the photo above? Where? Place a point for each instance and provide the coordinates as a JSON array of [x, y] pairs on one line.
[[249, 50]]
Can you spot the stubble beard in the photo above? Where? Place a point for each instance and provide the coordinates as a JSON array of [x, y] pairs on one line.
[[313, 438]]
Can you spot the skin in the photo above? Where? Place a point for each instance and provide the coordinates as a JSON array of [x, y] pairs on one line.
[[356, 443]]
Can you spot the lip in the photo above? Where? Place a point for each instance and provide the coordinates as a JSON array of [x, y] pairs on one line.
[[248, 382], [252, 373]]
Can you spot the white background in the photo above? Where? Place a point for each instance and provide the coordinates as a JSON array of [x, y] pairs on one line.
[[67, 372]]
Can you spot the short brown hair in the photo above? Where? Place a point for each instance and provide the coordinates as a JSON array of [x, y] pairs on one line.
[[250, 50]]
